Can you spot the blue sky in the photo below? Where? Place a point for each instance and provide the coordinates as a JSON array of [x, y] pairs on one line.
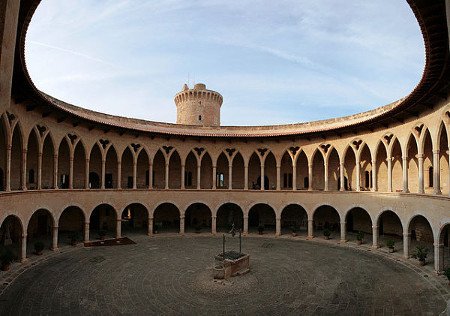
[[274, 62]]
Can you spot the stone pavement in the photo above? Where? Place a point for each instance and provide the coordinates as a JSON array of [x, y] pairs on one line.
[[172, 275]]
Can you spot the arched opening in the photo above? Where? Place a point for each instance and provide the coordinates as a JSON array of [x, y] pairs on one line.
[[421, 235], [444, 251], [159, 171], [11, 235], [326, 219], [350, 168], [175, 171], [206, 172], [103, 221], [254, 172], [390, 228], [428, 163], [47, 163], [197, 218], [238, 172], [413, 169], [294, 219], [333, 170], [286, 172], [366, 169], [382, 168], [261, 217], [71, 225], [127, 169], [166, 218], [95, 168], [222, 174], [444, 160], [270, 172], [32, 161], [358, 221], [111, 168], [143, 163], [2, 155], [63, 164], [135, 219], [190, 171], [318, 182], [227, 215], [302, 171], [79, 166], [397, 167], [40, 228], [16, 160]]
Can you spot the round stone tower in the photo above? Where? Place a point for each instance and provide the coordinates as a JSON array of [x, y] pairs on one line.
[[198, 106]]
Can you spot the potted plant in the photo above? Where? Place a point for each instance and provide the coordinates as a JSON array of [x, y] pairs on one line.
[[447, 274], [102, 234], [391, 245], [74, 238], [421, 254], [261, 229], [6, 258], [359, 237], [294, 230], [326, 233], [38, 247], [198, 229]]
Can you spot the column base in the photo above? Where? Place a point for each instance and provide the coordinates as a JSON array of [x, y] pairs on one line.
[[54, 249], [23, 260], [342, 241], [309, 237], [375, 246]]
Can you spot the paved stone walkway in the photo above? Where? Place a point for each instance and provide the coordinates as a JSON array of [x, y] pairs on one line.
[[172, 275]]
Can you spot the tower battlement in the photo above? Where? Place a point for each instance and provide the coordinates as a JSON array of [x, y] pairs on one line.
[[198, 106]]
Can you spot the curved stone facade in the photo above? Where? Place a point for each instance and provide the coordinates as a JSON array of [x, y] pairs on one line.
[[65, 169]]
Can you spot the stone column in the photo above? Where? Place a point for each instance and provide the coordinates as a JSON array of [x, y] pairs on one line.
[[214, 178], [294, 177], [406, 242], [310, 177], [182, 225], [150, 176], [55, 238], [103, 173], [24, 170], [39, 171], [436, 172], [246, 177], [326, 176], [199, 175], [245, 225], [86, 232], [278, 178], [310, 229], [23, 248], [119, 174], [8, 168], [374, 236], [358, 173], [213, 225], [278, 227], [389, 175], [343, 232], [262, 177], [183, 171], [86, 174], [118, 228], [405, 173], [342, 176], [420, 163], [55, 171], [71, 171], [150, 226], [230, 176], [134, 174], [438, 259], [374, 176], [166, 185]]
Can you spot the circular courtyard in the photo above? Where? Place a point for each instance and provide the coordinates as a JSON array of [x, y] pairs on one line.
[[173, 275]]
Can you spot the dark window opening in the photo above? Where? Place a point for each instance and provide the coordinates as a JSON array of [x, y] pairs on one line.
[[130, 183], [31, 176], [430, 177]]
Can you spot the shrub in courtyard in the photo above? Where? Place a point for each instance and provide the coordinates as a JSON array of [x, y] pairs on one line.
[[391, 245], [360, 237], [326, 233], [421, 254]]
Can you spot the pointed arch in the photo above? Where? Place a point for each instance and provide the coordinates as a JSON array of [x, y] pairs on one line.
[[318, 170], [286, 170], [397, 166], [365, 160], [254, 172], [333, 170], [238, 171], [175, 170], [206, 172], [222, 172], [32, 160], [412, 164], [270, 172], [142, 170], [48, 166], [79, 166], [302, 171], [127, 169], [350, 168], [63, 164], [95, 167], [159, 170], [16, 158], [382, 167], [111, 165]]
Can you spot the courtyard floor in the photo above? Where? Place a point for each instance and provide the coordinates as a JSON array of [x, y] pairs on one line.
[[172, 275]]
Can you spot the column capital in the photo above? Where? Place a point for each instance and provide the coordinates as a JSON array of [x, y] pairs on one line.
[[374, 227], [436, 151]]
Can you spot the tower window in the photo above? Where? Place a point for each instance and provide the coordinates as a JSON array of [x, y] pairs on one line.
[[199, 117]]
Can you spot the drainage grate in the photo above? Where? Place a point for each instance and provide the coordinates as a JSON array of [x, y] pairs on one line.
[[97, 259], [267, 245]]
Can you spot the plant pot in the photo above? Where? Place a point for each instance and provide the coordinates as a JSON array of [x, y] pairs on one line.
[[219, 272], [422, 262], [5, 266], [391, 249]]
